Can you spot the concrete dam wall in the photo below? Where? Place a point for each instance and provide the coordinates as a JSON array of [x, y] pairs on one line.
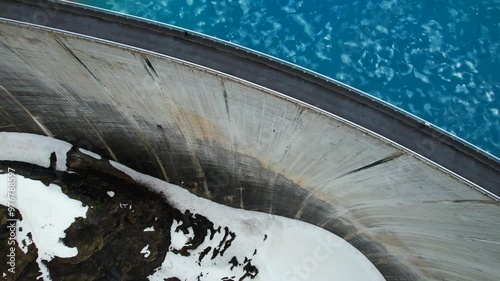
[[252, 133]]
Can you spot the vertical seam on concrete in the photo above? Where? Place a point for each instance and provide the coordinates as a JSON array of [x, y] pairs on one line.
[[10, 118], [67, 49], [303, 205], [193, 155], [224, 93], [38, 123], [97, 132], [373, 164], [378, 162], [294, 132], [150, 65], [160, 163], [271, 191]]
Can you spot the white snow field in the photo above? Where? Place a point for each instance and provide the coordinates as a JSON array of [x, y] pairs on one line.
[[280, 248], [47, 212]]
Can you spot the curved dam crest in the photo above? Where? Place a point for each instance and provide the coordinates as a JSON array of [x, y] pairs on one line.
[[244, 146]]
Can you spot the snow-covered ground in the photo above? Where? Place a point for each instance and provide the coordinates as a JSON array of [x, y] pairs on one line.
[[47, 212], [267, 247], [34, 149]]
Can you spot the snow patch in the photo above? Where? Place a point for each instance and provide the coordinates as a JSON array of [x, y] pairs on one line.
[[47, 212], [146, 251], [149, 229], [16, 145], [90, 153], [178, 238]]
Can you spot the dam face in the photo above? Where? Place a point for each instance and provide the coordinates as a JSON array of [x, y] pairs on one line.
[[240, 130]]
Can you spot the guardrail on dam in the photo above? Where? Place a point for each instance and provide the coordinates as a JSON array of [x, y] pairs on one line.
[[236, 127]]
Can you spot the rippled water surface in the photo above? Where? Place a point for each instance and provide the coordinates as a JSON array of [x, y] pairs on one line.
[[437, 59]]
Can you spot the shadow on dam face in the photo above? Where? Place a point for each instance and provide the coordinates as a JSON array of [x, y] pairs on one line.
[[225, 137]]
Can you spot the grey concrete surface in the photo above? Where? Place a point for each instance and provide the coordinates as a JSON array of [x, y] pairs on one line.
[[247, 146]]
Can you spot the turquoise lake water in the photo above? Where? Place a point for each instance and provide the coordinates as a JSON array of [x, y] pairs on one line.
[[436, 59]]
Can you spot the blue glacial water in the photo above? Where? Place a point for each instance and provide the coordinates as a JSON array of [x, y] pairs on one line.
[[437, 59]]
